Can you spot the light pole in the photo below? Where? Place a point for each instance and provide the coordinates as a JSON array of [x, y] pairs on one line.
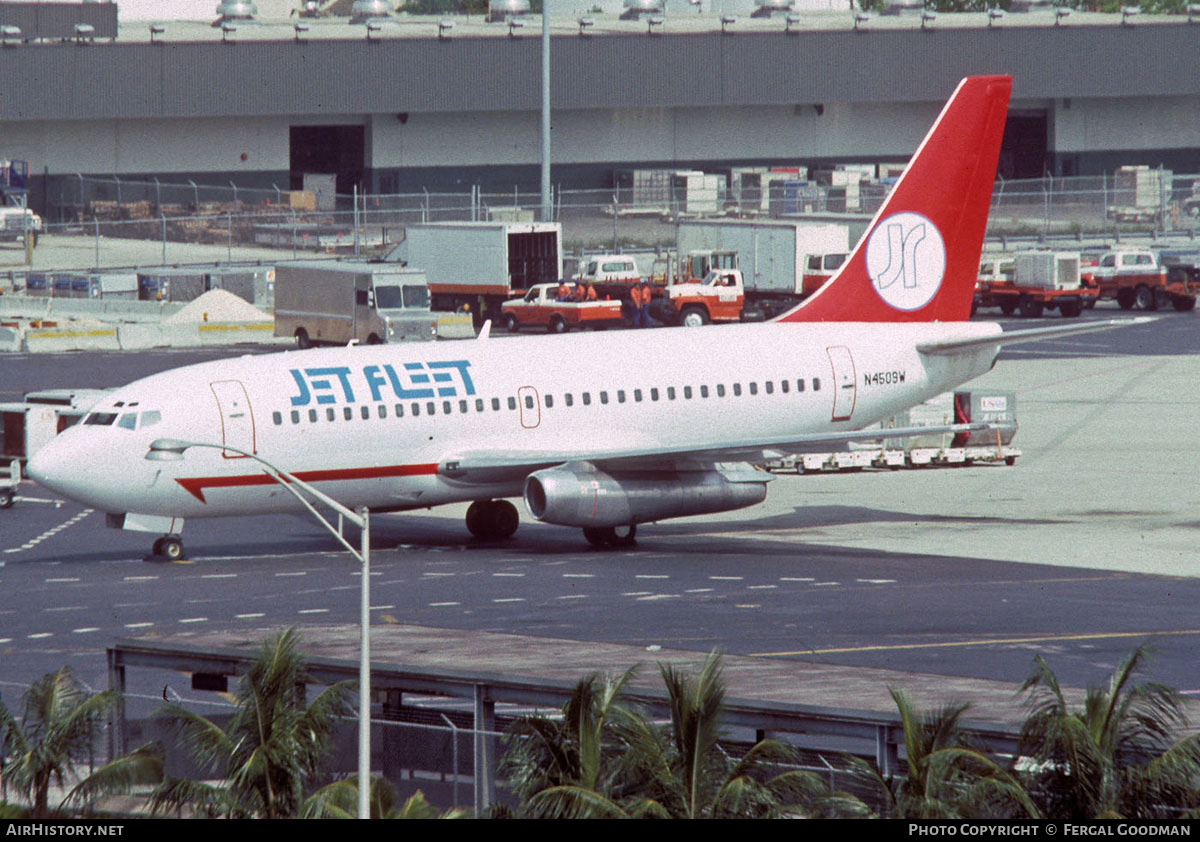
[[167, 450]]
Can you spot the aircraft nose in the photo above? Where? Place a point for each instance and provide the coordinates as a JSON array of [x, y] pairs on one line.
[[47, 467]]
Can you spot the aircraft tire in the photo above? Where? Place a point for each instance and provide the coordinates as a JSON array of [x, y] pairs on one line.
[[477, 518], [607, 537], [492, 519], [172, 548], [504, 519]]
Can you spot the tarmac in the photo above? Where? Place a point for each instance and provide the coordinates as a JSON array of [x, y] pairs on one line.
[[1106, 480]]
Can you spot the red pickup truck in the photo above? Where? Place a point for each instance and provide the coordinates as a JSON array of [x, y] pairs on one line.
[[539, 308]]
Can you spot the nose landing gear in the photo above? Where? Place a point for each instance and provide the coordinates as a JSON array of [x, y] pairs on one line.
[[167, 548]]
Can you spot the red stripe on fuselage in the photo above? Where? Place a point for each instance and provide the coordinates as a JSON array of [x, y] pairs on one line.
[[196, 485]]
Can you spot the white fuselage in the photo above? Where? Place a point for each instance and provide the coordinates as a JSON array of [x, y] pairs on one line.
[[370, 425]]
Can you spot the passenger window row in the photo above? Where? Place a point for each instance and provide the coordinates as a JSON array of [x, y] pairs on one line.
[[585, 398]]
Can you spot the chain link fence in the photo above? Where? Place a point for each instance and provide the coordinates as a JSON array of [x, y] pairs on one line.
[[255, 224]]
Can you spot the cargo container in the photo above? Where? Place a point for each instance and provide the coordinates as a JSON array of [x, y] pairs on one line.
[[780, 262], [172, 284], [480, 265]]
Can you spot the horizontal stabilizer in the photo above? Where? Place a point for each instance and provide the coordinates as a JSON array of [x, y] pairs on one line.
[[954, 346]]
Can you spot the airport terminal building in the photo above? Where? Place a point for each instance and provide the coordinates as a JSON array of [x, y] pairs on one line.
[[399, 103]]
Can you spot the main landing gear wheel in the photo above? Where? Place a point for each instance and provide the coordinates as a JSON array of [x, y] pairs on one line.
[[492, 519], [611, 536], [167, 548]]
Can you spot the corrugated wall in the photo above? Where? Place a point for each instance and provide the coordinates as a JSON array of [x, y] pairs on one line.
[[51, 81]]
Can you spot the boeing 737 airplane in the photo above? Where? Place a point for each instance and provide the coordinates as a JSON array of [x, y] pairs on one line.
[[602, 431]]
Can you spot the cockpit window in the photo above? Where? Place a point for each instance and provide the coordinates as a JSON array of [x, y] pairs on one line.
[[100, 419], [151, 417], [128, 421]]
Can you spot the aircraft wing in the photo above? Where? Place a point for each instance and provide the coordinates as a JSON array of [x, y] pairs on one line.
[[485, 467], [953, 346]]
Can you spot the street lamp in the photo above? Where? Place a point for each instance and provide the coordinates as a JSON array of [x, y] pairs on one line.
[[170, 450]]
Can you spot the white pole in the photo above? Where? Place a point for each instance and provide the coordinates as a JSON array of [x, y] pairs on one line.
[[364, 673]]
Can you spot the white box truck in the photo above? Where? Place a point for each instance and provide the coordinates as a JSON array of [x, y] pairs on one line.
[[334, 303]]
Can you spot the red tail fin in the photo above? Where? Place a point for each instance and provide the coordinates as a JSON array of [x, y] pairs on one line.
[[919, 259]]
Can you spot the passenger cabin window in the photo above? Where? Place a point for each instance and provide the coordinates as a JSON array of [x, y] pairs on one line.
[[816, 384], [604, 397], [277, 418], [399, 410], [512, 403], [330, 415], [549, 399]]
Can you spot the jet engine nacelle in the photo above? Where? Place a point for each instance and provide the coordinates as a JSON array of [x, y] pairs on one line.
[[580, 495]]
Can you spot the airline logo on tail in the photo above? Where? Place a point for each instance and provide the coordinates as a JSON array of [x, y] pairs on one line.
[[920, 257], [906, 260]]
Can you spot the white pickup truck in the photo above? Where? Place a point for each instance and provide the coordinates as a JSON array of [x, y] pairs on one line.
[[540, 307]]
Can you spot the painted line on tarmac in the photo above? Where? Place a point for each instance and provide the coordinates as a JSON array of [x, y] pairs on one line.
[[49, 533], [1055, 638]]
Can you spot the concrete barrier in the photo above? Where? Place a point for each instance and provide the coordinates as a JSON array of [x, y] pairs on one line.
[[455, 326], [138, 336], [109, 308], [10, 339], [232, 333], [53, 340]]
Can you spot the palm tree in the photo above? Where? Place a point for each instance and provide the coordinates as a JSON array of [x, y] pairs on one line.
[[1118, 756], [947, 777], [339, 800], [567, 767], [58, 721], [270, 750], [604, 759]]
